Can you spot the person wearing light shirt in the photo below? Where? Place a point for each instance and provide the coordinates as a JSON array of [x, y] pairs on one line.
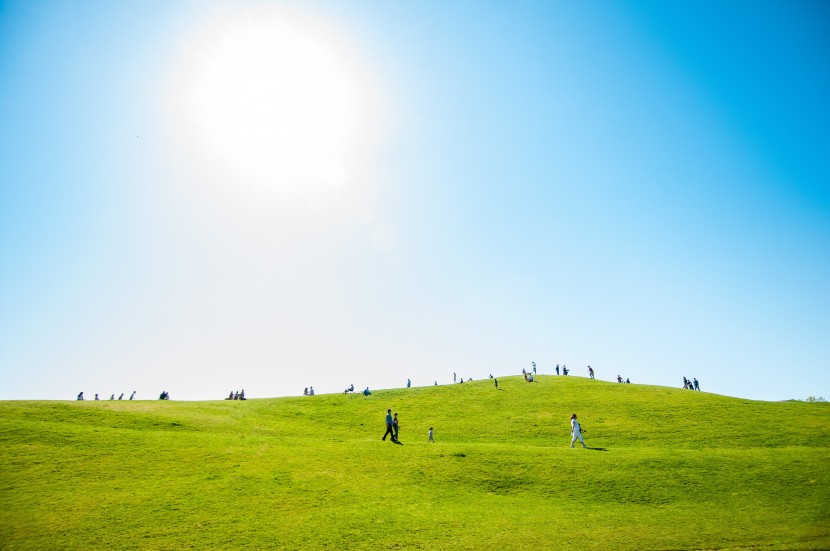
[[576, 431]]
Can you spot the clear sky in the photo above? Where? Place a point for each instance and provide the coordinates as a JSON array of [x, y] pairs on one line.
[[202, 197]]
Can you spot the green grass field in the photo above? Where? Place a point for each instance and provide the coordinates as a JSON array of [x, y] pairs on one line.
[[668, 469]]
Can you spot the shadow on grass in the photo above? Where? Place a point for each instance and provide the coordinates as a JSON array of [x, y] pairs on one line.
[[398, 442], [598, 449]]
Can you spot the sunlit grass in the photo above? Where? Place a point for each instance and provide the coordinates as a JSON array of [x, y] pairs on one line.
[[670, 469]]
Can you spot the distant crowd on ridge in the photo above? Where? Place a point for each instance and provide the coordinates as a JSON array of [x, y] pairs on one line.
[[529, 376]]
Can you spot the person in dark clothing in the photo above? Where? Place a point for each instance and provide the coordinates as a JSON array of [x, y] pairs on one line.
[[390, 430]]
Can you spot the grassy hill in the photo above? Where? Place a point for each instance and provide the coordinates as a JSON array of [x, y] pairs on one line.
[[669, 469]]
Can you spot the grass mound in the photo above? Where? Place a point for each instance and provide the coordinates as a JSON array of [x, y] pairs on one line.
[[668, 469]]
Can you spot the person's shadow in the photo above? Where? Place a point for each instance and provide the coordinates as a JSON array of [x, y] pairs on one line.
[[598, 449]]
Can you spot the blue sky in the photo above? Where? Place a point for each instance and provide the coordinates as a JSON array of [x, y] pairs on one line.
[[205, 196]]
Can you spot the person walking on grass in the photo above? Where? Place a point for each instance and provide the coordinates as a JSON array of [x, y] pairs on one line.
[[395, 426], [576, 431], [390, 431], [430, 439], [590, 372]]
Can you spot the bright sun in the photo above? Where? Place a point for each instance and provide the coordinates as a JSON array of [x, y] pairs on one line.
[[276, 100]]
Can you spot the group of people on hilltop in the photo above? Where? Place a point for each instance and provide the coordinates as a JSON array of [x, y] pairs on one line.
[[309, 391], [112, 397], [237, 395], [690, 385]]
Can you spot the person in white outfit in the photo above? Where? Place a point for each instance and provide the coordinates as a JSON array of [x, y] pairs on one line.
[[576, 431]]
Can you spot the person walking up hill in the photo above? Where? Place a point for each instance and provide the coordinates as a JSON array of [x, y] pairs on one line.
[[576, 431], [390, 431]]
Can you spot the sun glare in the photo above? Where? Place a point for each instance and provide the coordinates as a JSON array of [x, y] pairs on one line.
[[276, 100]]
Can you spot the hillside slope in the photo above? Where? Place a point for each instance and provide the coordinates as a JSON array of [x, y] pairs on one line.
[[668, 469]]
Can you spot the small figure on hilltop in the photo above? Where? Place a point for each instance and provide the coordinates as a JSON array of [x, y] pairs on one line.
[[430, 439], [366, 391], [533, 364], [453, 377], [619, 379], [497, 382], [80, 396], [390, 430], [242, 395], [350, 389], [121, 396], [576, 431], [96, 396], [590, 372], [530, 378], [132, 395], [311, 391], [164, 395], [408, 383], [112, 397], [564, 370], [697, 386], [627, 381], [557, 369], [305, 393]]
